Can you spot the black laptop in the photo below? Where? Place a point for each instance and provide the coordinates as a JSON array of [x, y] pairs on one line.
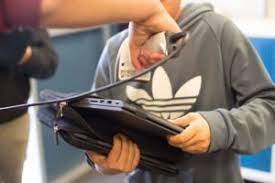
[[129, 115]]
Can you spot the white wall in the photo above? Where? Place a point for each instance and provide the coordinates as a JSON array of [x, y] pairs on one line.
[[238, 8]]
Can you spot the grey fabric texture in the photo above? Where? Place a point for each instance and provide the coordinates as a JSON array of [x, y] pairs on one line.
[[236, 95]]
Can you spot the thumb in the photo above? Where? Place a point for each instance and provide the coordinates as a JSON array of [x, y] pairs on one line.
[[185, 120], [134, 51]]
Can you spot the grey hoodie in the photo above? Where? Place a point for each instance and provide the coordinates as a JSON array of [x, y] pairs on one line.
[[218, 74]]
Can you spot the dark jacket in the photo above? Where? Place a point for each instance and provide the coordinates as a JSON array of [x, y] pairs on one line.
[[14, 78], [14, 13]]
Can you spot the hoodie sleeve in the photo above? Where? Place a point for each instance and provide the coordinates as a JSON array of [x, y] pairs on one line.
[[21, 12], [250, 126], [13, 46], [44, 60], [102, 74]]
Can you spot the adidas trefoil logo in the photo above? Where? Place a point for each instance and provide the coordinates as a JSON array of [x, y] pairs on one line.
[[164, 103]]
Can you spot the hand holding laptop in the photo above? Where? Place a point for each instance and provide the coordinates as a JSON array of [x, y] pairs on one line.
[[195, 138], [123, 158]]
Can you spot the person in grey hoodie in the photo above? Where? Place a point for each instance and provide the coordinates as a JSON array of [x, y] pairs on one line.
[[217, 87]]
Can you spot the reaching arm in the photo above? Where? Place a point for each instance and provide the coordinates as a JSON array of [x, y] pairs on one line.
[[84, 13], [150, 16]]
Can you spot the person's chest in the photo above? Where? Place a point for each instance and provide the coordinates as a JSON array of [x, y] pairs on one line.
[[194, 81]]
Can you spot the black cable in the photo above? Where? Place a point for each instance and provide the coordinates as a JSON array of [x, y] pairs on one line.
[[173, 39]]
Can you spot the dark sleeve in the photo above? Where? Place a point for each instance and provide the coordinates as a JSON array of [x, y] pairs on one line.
[[250, 126], [44, 60], [13, 46], [21, 12]]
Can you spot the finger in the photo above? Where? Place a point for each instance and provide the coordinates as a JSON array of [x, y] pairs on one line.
[[131, 156], [146, 53], [156, 57], [136, 157], [194, 149], [186, 135], [124, 152], [97, 158], [185, 120], [134, 58], [137, 65], [152, 58], [192, 141], [143, 62], [153, 61], [115, 152], [147, 65]]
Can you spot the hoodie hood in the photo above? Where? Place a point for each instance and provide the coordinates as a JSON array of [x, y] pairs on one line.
[[192, 13]]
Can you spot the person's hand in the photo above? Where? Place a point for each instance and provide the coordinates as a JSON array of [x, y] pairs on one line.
[[140, 32], [123, 158], [26, 57], [195, 138], [141, 57]]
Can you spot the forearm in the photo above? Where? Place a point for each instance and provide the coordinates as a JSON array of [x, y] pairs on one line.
[[75, 13], [86, 12], [83, 13]]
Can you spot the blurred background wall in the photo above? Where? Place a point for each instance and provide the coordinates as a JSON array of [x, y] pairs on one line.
[[79, 52]]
